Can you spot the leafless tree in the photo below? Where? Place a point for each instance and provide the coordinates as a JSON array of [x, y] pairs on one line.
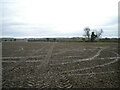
[[99, 33], [87, 32]]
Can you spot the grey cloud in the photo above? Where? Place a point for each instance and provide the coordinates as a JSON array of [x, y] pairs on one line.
[[110, 30], [22, 29], [12, 28], [111, 21], [10, 23]]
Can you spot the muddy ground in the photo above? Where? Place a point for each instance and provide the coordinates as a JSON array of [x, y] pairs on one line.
[[60, 65]]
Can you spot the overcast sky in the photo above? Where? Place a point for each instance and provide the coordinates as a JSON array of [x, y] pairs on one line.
[[58, 18]]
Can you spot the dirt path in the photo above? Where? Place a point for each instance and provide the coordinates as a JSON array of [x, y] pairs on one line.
[[102, 65], [45, 62], [94, 73], [80, 60]]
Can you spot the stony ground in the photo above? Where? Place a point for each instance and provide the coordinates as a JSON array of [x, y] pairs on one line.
[[60, 65]]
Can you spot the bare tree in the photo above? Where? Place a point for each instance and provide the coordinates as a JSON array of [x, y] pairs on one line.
[[87, 32], [96, 34], [99, 33]]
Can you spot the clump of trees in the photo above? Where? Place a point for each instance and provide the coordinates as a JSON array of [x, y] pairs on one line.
[[94, 35]]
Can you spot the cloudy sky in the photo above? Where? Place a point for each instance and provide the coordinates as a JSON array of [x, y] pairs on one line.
[[58, 18]]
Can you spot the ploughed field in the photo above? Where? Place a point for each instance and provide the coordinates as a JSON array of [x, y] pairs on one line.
[[60, 65]]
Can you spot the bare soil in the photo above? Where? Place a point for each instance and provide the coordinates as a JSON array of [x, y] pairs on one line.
[[60, 65]]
